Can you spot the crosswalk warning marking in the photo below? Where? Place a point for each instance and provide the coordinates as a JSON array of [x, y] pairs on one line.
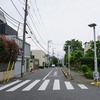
[[10, 84], [55, 73], [44, 85], [29, 87], [69, 86], [56, 85], [82, 86], [18, 86]]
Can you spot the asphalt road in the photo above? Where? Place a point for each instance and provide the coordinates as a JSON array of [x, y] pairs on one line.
[[47, 84]]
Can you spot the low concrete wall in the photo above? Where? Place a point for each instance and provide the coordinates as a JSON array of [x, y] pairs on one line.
[[2, 75]]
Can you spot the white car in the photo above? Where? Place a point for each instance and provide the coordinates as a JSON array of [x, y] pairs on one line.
[[53, 65]]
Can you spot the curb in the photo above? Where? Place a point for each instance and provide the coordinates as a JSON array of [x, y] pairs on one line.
[[65, 74], [96, 83]]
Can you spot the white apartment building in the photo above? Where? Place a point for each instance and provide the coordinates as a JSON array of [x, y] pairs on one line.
[[41, 55], [98, 38], [86, 46]]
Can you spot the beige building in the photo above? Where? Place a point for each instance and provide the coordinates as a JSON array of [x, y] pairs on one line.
[[41, 55]]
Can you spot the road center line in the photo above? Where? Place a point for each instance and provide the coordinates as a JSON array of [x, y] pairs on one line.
[[47, 74]]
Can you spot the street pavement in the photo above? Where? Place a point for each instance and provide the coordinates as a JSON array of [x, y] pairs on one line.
[[48, 84]]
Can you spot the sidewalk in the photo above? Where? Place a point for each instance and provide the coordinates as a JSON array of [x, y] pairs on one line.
[[77, 77]]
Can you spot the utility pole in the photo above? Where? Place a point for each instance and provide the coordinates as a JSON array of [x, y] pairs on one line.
[[23, 43], [48, 52], [53, 52], [69, 59]]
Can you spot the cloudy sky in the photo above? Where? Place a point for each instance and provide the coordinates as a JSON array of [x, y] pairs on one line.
[[57, 20]]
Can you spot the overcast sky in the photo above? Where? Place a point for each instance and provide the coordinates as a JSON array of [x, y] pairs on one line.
[[63, 20]]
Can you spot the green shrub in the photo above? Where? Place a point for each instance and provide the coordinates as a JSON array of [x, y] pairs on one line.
[[84, 68], [41, 67], [89, 74]]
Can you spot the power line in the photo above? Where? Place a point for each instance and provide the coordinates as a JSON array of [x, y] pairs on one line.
[[36, 29], [36, 40], [22, 18], [10, 16], [40, 15], [21, 2], [11, 20], [35, 24], [12, 23], [16, 9], [36, 16]]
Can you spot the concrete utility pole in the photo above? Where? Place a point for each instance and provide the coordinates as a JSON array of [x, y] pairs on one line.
[[53, 52], [23, 44], [48, 51], [69, 59]]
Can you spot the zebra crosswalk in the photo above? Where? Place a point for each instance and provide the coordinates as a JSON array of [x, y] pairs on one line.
[[45, 83]]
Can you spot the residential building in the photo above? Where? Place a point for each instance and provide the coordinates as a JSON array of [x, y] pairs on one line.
[[26, 55], [98, 38], [86, 46], [41, 55], [9, 32]]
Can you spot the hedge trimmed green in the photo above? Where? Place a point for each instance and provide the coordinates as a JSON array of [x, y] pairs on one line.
[[84, 68]]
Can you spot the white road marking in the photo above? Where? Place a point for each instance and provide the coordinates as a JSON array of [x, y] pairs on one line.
[[82, 86], [47, 74], [69, 86], [10, 84], [55, 73], [56, 85], [18, 86], [44, 85], [29, 87]]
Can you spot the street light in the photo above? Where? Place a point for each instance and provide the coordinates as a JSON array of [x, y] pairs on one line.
[[95, 73]]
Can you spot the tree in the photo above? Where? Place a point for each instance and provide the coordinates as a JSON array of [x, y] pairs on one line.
[[97, 47], [89, 53], [76, 56], [54, 60], [8, 50], [75, 45]]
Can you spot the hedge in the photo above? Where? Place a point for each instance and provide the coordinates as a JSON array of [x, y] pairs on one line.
[[89, 61]]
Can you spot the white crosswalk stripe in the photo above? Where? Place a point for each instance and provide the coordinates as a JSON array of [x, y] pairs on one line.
[[44, 85], [56, 85], [82, 86], [10, 84], [18, 86], [29, 87], [69, 86]]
